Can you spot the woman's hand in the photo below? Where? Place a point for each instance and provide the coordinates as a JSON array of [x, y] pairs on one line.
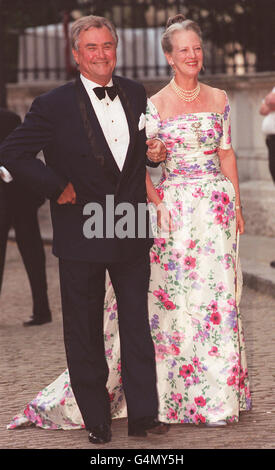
[[164, 219], [239, 221]]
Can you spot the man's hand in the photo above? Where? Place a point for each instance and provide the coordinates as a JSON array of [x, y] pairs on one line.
[[68, 196], [156, 150], [270, 101]]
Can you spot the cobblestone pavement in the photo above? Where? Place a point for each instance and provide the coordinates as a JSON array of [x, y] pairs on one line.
[[33, 357]]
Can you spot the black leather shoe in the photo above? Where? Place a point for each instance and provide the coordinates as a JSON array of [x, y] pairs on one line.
[[136, 430], [37, 321], [100, 434], [141, 427], [159, 428]]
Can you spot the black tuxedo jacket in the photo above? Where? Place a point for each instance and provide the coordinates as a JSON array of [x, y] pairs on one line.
[[15, 194], [64, 125]]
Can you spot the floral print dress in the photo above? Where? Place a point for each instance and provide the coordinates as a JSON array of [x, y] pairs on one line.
[[194, 294]]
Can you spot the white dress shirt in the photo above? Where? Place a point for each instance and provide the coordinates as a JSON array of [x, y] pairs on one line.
[[112, 119]]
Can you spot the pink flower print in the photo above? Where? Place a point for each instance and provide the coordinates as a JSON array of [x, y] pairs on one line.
[[159, 337], [188, 383], [193, 276], [216, 318], [213, 351], [225, 198], [160, 351], [191, 410], [216, 196], [107, 336], [189, 263], [179, 172], [172, 414], [119, 367], [200, 401], [160, 242], [62, 402], [161, 295], [160, 193], [242, 381], [213, 305], [218, 219], [111, 397], [231, 380], [200, 419], [234, 357], [218, 127], [178, 206], [108, 353], [190, 244], [174, 350], [177, 336], [210, 133], [219, 208], [235, 370], [225, 222], [176, 255], [170, 143], [220, 287], [196, 361], [180, 140], [186, 371], [160, 348], [169, 305], [231, 215], [198, 192], [177, 397], [154, 257]]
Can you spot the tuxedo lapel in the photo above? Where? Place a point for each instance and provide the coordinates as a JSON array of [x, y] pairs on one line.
[[99, 146], [132, 125]]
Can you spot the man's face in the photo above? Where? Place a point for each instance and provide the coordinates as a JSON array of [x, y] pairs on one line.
[[96, 54]]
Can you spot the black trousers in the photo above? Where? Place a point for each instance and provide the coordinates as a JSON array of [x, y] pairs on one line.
[[82, 292], [23, 218], [270, 142]]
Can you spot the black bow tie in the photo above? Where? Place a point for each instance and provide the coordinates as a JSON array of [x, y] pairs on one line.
[[111, 91]]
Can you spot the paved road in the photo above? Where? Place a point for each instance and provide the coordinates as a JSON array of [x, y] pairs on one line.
[[32, 357]]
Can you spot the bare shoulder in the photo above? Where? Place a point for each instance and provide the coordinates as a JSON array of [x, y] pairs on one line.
[[216, 96], [160, 98]]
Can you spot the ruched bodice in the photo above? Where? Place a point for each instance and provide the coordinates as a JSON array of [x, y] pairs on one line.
[[192, 142]]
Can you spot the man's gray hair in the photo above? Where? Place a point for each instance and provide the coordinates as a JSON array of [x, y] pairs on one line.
[[87, 22]]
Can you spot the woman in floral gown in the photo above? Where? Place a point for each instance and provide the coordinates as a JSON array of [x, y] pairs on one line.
[[195, 283]]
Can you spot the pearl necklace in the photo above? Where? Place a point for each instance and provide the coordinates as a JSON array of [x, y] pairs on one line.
[[186, 95]]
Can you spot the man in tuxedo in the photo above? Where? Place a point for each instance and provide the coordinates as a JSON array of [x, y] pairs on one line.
[[18, 209], [94, 143]]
